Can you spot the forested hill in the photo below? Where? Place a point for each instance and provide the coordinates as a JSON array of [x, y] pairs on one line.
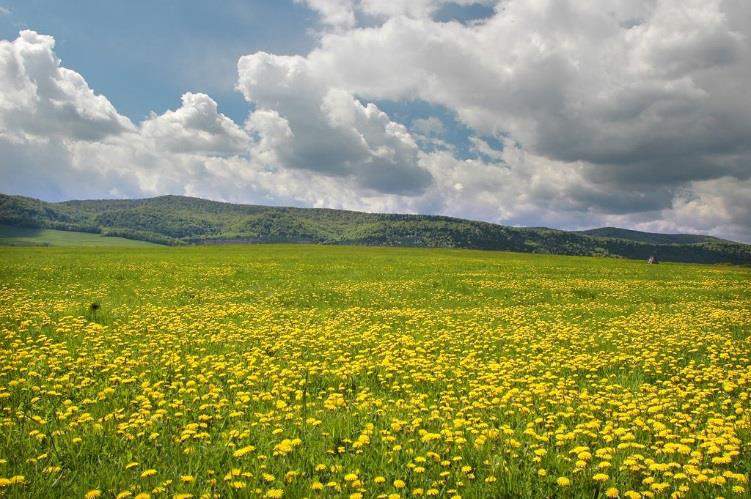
[[176, 220], [651, 237]]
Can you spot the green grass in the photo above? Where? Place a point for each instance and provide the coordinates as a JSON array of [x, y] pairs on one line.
[[22, 236], [453, 369]]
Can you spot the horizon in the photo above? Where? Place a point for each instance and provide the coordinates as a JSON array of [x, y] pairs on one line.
[[563, 115], [593, 228]]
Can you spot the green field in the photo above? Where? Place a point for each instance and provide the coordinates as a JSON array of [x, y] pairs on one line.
[[315, 371], [23, 236]]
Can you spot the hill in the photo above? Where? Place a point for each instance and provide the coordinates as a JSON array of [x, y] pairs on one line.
[[651, 237], [176, 220]]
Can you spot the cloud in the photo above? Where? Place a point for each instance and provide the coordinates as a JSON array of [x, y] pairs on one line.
[[90, 151], [304, 124], [196, 127], [644, 97], [57, 169], [717, 206], [570, 81], [335, 13], [429, 127], [58, 139], [42, 98]]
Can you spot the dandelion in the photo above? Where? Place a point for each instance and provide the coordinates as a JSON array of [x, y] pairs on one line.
[[562, 481], [243, 451], [148, 473]]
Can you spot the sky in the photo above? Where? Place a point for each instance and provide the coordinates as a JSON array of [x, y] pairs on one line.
[[562, 113]]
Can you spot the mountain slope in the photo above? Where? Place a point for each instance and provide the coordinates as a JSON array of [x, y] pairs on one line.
[[651, 237], [183, 220]]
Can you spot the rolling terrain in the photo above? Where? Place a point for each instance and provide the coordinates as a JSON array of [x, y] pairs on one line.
[[178, 220]]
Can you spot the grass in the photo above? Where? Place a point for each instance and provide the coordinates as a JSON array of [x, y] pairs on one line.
[[23, 236], [332, 371]]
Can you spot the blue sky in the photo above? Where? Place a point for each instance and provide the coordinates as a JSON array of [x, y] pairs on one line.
[[143, 55]]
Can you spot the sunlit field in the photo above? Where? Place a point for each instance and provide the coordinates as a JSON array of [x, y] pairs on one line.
[[294, 371]]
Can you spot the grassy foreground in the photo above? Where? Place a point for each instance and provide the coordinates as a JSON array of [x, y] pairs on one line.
[[339, 371]]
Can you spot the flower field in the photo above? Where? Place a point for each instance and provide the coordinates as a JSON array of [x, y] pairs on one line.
[[309, 371]]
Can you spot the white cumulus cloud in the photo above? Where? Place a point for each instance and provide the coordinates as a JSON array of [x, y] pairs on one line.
[[305, 124], [196, 127], [40, 97]]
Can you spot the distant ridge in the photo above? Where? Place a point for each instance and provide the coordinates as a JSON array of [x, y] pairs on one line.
[[651, 237], [176, 220]]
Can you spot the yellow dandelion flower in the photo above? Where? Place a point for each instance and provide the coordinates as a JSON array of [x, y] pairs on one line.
[[243, 451]]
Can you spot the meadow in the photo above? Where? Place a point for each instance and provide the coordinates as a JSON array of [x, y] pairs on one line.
[[312, 371], [26, 236]]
